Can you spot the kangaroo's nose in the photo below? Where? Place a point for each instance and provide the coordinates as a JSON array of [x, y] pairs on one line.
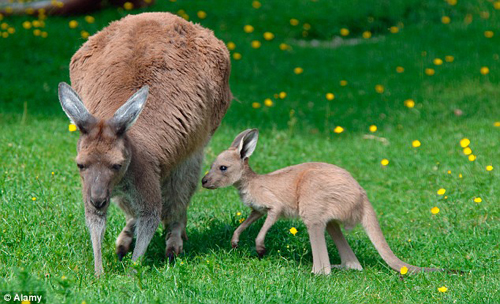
[[204, 181], [99, 203]]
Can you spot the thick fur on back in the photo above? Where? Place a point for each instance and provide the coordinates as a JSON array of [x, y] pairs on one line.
[[187, 70]]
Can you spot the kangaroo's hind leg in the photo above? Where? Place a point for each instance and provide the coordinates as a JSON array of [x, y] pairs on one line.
[[177, 191], [321, 261], [348, 259]]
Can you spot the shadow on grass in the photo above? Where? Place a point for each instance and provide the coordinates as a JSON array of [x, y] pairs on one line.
[[214, 238]]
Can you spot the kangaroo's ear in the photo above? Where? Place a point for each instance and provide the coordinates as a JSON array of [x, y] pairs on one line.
[[126, 115], [246, 142], [74, 108]]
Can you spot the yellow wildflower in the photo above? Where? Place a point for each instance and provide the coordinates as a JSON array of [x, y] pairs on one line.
[[338, 129], [293, 230], [484, 70], [282, 95], [373, 128], [231, 46], [343, 83], [72, 128], [443, 289], [298, 70], [256, 44], [409, 103], [201, 14], [477, 200], [464, 142], [438, 61], [367, 34], [294, 22], [236, 56], [429, 71], [435, 210], [73, 24], [84, 34], [467, 151], [27, 25], [472, 157], [489, 168], [268, 102], [256, 4], [89, 19], [248, 28], [394, 29], [496, 123], [445, 19], [384, 162], [441, 191], [344, 32], [268, 36], [449, 58], [403, 270], [128, 6], [330, 96], [400, 69], [256, 105], [415, 143], [489, 34], [379, 88]]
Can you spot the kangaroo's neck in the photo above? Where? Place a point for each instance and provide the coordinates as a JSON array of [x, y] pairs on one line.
[[247, 177]]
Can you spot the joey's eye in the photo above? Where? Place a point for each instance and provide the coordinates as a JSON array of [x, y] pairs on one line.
[[223, 168], [80, 166], [116, 167]]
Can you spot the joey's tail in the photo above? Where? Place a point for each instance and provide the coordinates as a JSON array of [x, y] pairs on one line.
[[372, 227]]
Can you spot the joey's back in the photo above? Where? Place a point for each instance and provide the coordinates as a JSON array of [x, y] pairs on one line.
[[187, 70]]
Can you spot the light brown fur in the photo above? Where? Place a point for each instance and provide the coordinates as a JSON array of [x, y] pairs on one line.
[[321, 194], [152, 168]]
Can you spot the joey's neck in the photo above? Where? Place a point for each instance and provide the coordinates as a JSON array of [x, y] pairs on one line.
[[247, 177]]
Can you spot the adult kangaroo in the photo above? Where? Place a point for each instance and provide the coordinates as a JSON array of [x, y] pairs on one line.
[[148, 92]]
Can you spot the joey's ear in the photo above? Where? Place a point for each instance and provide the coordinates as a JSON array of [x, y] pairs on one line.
[[246, 142], [127, 114], [74, 108]]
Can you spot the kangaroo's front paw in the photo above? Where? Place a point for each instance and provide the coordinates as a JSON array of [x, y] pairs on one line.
[[261, 251], [174, 248], [234, 243]]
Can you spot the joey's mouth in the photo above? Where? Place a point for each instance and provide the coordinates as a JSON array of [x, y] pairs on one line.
[[211, 187]]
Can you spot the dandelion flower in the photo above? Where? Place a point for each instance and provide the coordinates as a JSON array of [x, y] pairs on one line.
[[293, 230], [241, 220], [403, 270], [343, 83], [298, 70], [484, 70], [201, 14], [438, 61], [238, 213], [282, 95], [384, 162], [72, 127], [460, 175], [84, 34], [394, 29], [464, 142], [33, 198], [400, 69], [367, 34], [236, 56], [415, 143], [256, 105], [294, 22], [338, 129], [429, 71], [344, 32], [452, 2], [445, 19], [73, 24], [37, 32], [449, 58], [467, 151], [231, 46], [409, 103], [472, 157], [306, 26], [489, 34], [256, 4], [379, 88], [489, 168], [330, 96], [26, 25], [435, 210], [443, 289], [268, 36], [248, 28], [477, 200], [441, 191], [496, 123], [89, 19], [373, 128], [256, 44], [128, 6], [268, 102], [284, 46]]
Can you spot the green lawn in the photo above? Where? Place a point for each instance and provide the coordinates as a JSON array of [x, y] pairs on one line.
[[44, 245]]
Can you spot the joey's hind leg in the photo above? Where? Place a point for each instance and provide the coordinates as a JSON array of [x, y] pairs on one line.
[[321, 261], [348, 259], [177, 191], [125, 237]]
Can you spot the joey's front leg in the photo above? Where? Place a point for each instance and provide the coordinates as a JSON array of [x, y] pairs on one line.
[[255, 215], [272, 217]]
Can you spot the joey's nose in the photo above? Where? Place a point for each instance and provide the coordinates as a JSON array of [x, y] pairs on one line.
[[99, 203], [204, 181]]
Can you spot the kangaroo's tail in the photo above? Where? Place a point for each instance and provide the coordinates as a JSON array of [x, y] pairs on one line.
[[372, 227]]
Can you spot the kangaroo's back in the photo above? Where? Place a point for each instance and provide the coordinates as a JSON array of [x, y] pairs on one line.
[[187, 70]]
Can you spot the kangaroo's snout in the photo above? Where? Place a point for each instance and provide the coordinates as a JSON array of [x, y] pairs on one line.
[[204, 181], [99, 203]]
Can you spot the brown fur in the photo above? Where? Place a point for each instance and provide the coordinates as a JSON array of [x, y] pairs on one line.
[[321, 194], [153, 167]]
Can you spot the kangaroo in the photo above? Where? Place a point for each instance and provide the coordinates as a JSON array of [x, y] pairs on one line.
[[321, 194], [146, 150]]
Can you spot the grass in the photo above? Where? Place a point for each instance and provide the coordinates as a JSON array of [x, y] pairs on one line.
[[45, 246]]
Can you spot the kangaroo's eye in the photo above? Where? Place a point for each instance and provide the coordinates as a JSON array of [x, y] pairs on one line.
[[223, 168], [80, 166], [116, 167]]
